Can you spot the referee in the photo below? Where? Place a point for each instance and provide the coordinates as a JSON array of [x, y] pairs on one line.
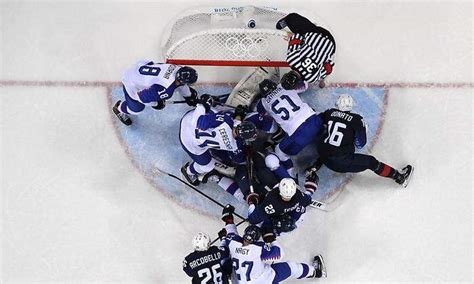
[[310, 52]]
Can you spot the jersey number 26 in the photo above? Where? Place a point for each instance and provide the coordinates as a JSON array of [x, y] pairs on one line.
[[212, 273]]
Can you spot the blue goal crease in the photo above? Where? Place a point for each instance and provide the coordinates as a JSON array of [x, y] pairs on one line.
[[154, 139]]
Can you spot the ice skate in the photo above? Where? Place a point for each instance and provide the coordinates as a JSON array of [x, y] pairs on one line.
[[123, 117], [192, 179], [212, 176], [319, 267], [404, 177]]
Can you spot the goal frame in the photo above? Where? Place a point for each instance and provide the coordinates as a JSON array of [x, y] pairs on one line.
[[245, 61]]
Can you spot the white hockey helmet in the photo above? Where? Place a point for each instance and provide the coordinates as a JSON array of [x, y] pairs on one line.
[[345, 102], [201, 241], [287, 188]]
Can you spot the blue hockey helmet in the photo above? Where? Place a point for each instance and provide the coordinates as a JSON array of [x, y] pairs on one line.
[[186, 75], [247, 131], [251, 234]]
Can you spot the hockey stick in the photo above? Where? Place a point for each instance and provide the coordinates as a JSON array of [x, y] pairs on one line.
[[195, 189], [218, 97], [248, 153], [335, 201], [319, 205], [176, 102], [217, 103], [238, 224]]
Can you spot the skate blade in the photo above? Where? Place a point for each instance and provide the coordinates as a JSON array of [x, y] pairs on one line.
[[323, 267], [407, 180]]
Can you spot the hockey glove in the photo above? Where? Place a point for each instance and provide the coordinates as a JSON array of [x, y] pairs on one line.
[[311, 175], [227, 214], [328, 67], [281, 24], [268, 235], [192, 100], [207, 101], [252, 198], [160, 105], [283, 223], [241, 111], [312, 180], [222, 234]]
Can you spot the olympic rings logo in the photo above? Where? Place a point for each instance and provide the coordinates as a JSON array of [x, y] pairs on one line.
[[246, 47]]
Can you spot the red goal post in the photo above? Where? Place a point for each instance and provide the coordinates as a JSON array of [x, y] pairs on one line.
[[237, 36]]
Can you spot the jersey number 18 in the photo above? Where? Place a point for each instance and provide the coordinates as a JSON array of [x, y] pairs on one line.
[[149, 70]]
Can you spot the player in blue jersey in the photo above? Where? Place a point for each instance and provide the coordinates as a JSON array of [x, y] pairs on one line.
[[252, 259], [207, 264], [148, 83], [283, 207], [298, 120], [345, 131], [263, 178]]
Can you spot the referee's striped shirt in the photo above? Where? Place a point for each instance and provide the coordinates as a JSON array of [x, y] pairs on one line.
[[307, 53]]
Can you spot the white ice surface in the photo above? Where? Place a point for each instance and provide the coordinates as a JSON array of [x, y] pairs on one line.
[[75, 209]]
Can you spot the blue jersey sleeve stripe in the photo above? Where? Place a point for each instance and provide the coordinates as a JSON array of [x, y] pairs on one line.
[[305, 271], [360, 139]]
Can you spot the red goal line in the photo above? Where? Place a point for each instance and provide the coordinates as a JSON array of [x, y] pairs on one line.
[[108, 84]]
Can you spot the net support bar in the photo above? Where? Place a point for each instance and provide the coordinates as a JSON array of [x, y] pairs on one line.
[[227, 63]]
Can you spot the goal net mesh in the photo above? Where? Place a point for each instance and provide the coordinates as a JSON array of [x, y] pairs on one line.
[[244, 36]]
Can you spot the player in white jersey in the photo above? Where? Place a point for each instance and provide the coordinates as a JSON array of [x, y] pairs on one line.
[[147, 83], [297, 119], [208, 134], [252, 260]]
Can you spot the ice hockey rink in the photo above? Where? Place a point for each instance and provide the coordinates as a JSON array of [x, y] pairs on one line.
[[77, 207]]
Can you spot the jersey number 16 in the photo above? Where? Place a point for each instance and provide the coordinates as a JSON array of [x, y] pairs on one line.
[[334, 135]]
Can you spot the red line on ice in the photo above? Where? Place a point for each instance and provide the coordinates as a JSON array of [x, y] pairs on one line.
[[108, 84]]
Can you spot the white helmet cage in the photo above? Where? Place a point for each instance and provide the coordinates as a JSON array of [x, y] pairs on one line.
[[287, 188], [201, 241], [345, 102]]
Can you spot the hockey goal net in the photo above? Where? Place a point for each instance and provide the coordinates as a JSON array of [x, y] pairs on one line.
[[238, 36]]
